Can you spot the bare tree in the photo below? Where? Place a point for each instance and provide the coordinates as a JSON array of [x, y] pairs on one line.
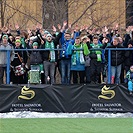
[[129, 12], [94, 13], [2, 11], [54, 12], [13, 12]]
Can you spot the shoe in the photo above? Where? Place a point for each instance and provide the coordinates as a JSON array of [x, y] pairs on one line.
[[112, 80]]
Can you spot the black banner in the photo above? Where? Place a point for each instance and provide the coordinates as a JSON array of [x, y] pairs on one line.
[[67, 99]]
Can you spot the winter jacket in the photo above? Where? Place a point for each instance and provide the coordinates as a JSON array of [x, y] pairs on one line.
[[117, 56], [46, 53], [23, 56], [126, 40], [94, 50], [129, 76], [128, 58], [3, 54], [64, 45], [35, 58], [78, 66]]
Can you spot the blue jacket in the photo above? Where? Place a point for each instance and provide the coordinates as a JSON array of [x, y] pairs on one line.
[[78, 66], [65, 43]]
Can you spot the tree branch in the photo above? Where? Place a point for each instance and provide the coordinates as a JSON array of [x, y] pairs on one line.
[[94, 2]]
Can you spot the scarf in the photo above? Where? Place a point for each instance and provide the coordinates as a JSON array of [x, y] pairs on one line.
[[78, 55], [50, 45], [98, 53]]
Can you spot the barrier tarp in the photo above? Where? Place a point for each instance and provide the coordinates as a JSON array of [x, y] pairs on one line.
[[66, 98]]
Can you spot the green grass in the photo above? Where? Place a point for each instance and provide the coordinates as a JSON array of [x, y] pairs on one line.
[[67, 125]]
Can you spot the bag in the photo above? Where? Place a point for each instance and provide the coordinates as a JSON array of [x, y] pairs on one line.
[[34, 77], [19, 70]]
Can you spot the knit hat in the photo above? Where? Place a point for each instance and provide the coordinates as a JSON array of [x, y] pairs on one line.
[[48, 35], [35, 44], [46, 32], [5, 36], [18, 41]]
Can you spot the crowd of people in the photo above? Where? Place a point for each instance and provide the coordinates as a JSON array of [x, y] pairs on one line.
[[79, 54]]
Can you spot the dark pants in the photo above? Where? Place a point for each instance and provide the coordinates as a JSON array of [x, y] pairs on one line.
[[122, 74], [78, 75], [19, 79], [2, 70], [95, 67], [23, 79], [87, 74], [49, 70], [65, 71]]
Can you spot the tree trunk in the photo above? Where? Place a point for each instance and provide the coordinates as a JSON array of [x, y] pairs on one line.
[[2, 13]]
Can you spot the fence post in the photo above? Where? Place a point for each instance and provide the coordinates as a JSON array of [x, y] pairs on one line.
[[109, 66], [8, 68]]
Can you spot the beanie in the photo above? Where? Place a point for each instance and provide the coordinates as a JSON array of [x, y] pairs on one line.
[[48, 35], [35, 44], [46, 32], [18, 41], [5, 36]]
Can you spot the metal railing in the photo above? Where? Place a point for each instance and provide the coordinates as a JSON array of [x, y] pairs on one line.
[[109, 60], [9, 52]]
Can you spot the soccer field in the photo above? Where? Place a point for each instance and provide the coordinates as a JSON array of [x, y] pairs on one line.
[[66, 125]]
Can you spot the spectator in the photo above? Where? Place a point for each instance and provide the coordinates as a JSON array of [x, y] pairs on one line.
[[122, 67], [121, 41], [86, 40], [117, 58], [129, 58], [11, 40], [65, 59], [35, 58], [77, 60], [3, 56], [129, 80], [106, 43], [127, 37], [96, 59], [49, 56], [18, 63]]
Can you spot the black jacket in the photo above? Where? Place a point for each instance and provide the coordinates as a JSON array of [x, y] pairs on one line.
[[22, 54], [129, 58], [35, 58], [117, 56], [126, 40], [46, 53]]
